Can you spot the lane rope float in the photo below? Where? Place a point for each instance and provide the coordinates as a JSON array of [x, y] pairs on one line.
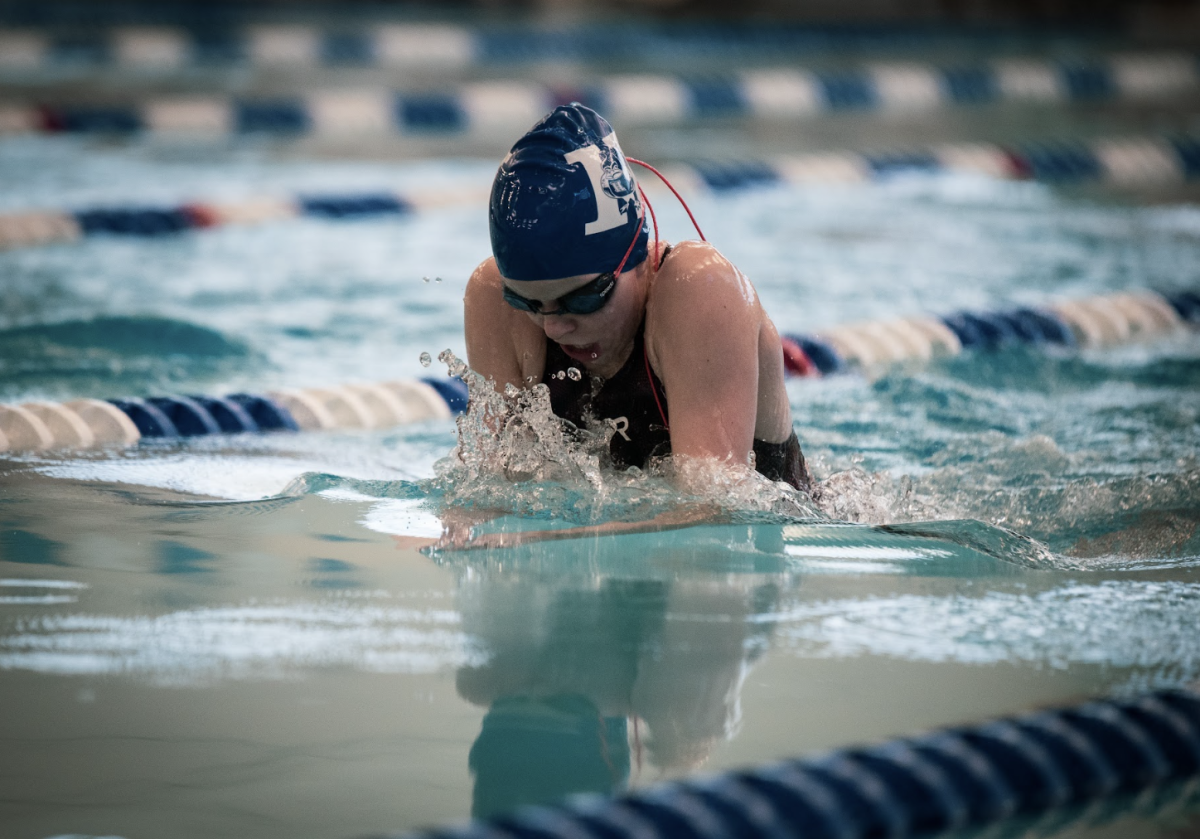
[[445, 46], [1091, 322], [1023, 767], [788, 94], [140, 220], [1160, 161]]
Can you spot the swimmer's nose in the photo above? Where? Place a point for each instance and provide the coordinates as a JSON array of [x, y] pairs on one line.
[[557, 326]]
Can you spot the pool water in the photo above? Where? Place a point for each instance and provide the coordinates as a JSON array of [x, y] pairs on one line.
[[232, 635]]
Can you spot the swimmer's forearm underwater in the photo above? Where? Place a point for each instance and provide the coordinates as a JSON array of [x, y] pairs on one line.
[[457, 536]]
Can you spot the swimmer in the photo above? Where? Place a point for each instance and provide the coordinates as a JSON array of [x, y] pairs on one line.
[[668, 346], [676, 353]]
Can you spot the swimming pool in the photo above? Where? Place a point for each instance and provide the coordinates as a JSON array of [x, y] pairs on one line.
[[222, 635]]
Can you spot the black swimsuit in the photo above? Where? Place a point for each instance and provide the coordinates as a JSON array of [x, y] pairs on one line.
[[630, 401]]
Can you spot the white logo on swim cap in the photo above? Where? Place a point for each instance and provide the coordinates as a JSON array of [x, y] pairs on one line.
[[616, 180], [612, 184]]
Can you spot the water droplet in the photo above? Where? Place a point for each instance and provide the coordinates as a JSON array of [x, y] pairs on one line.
[[426, 359], [530, 380], [560, 375], [595, 356], [426, 279], [573, 374], [511, 390], [437, 279]]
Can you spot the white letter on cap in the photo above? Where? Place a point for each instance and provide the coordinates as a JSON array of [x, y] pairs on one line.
[[609, 213]]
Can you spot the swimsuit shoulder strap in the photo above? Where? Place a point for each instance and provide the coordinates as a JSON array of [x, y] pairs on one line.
[[652, 380]]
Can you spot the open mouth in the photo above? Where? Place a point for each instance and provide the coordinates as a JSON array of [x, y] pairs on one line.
[[585, 353]]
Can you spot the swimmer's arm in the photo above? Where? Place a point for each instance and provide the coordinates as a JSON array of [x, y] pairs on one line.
[[681, 517], [457, 537], [703, 322], [494, 331]]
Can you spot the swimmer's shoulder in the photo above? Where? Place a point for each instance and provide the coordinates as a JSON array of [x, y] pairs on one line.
[[483, 300], [502, 342], [486, 275], [695, 279], [485, 296]]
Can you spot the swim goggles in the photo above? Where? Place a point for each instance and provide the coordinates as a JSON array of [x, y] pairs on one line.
[[589, 297], [584, 300]]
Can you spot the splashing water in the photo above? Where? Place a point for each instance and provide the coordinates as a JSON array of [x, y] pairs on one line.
[[514, 455], [856, 495], [1078, 516]]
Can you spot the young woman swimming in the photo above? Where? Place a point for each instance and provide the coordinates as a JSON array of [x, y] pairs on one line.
[[673, 348]]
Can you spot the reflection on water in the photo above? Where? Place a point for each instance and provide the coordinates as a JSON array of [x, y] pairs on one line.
[[538, 750], [324, 682], [580, 659]]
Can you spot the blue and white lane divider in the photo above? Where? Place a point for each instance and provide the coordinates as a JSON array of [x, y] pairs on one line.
[[954, 779], [45, 227], [1099, 321], [92, 423], [1131, 162], [445, 46], [635, 99], [164, 48], [1092, 322]]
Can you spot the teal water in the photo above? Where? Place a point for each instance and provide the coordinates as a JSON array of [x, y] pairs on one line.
[[232, 635]]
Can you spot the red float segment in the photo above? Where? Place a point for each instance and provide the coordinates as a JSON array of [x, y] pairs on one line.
[[202, 215], [795, 361]]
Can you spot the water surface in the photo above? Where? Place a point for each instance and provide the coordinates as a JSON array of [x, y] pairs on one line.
[[224, 635]]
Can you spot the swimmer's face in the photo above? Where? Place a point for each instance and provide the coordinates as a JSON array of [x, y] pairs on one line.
[[593, 338]]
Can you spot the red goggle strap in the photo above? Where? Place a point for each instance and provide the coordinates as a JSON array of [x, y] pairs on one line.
[[663, 178]]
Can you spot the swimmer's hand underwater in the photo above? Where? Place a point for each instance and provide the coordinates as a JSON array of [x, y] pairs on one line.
[[458, 534], [710, 490]]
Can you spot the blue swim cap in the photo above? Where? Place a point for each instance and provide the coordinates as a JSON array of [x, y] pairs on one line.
[[564, 202]]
